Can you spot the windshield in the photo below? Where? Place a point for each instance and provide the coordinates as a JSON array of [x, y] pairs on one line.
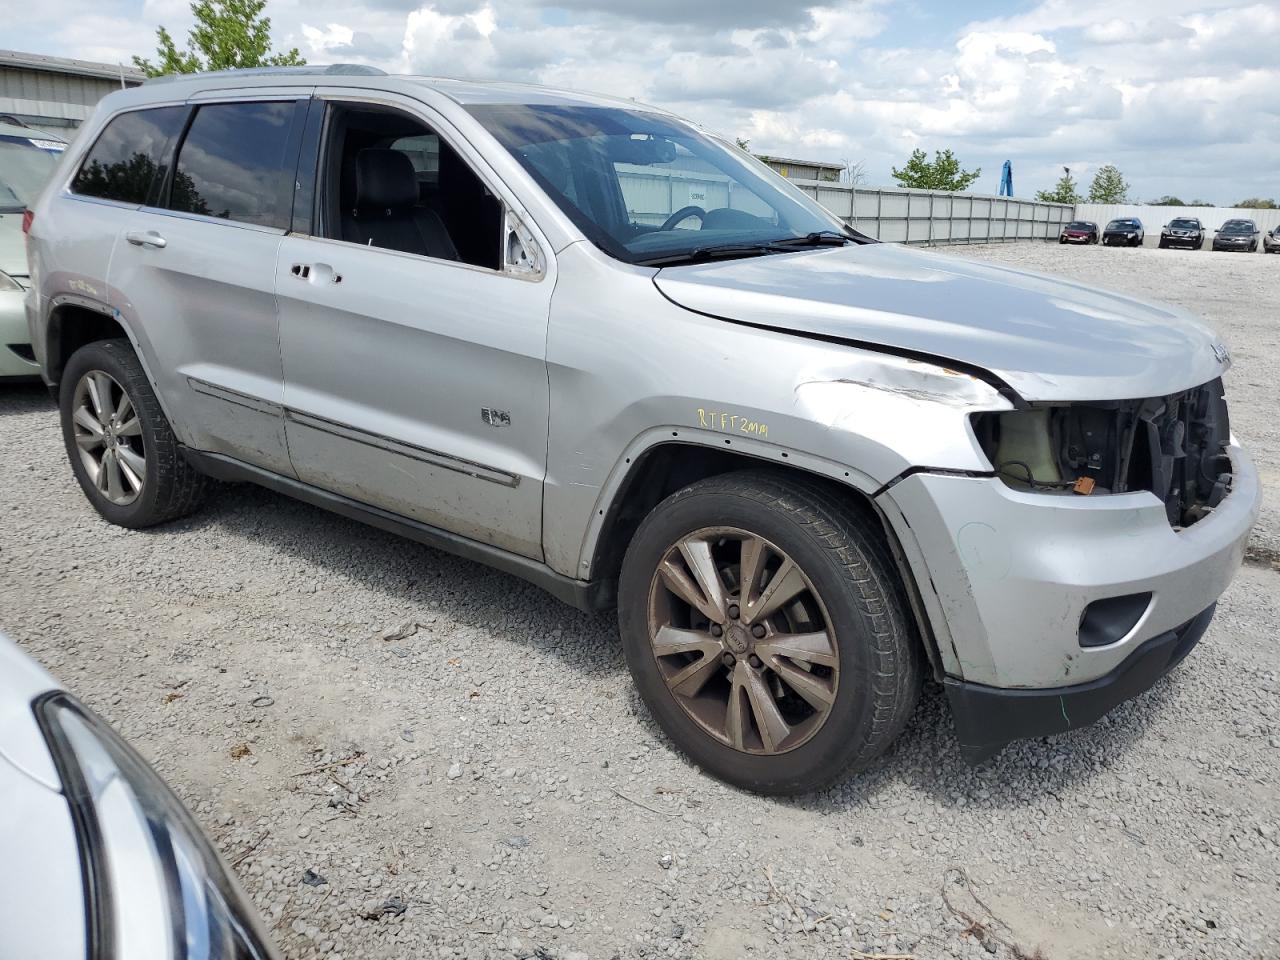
[[1185, 224], [1122, 225], [1079, 225], [26, 164], [647, 188], [1238, 226]]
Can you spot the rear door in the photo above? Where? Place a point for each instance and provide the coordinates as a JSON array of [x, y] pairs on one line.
[[414, 384], [196, 272]]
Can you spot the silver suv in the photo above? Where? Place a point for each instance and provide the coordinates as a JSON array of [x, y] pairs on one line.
[[583, 341]]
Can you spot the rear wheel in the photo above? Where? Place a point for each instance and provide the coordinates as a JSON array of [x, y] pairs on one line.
[[122, 450], [764, 625]]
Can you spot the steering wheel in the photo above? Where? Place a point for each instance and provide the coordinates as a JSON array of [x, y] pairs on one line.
[[684, 213]]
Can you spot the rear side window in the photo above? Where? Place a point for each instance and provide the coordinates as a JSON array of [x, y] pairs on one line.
[[127, 163], [237, 162]]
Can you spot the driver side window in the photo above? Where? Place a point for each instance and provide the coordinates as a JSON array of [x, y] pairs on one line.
[[393, 182]]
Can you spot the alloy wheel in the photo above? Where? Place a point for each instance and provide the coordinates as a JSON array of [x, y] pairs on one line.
[[743, 640], [109, 437]]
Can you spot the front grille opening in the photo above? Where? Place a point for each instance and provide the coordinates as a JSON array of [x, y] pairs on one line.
[[23, 350], [1174, 446]]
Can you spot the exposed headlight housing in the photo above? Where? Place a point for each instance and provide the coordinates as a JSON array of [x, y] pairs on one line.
[[1174, 447], [154, 887]]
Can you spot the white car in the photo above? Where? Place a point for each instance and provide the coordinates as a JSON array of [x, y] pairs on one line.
[[27, 160], [101, 859]]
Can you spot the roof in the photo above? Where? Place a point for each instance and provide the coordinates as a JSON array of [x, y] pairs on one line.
[[464, 92], [825, 164], [469, 92], [81, 68]]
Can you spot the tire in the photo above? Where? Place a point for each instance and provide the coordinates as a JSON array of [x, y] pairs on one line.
[[853, 597], [1163, 245], [170, 487]]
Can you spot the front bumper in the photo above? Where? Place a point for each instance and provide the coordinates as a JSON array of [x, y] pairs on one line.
[[14, 332], [988, 718], [1012, 572], [1082, 238], [1182, 241], [1242, 245], [1120, 240]]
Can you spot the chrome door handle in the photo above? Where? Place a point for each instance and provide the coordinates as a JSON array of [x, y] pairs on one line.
[[148, 238]]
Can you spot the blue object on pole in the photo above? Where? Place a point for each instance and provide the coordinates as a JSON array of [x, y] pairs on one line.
[[1006, 180]]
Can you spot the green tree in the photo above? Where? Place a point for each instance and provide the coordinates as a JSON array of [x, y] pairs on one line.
[[1168, 201], [1108, 186], [1064, 191], [228, 34], [943, 173], [1257, 203], [743, 144]]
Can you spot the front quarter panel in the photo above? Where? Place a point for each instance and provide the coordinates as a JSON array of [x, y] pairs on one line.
[[629, 370]]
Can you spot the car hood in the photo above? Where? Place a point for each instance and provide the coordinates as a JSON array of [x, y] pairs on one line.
[[13, 249], [1049, 339], [21, 742]]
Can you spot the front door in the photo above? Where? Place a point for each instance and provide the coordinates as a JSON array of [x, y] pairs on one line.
[[414, 360], [199, 272]]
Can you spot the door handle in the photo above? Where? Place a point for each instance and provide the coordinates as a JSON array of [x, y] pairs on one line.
[[315, 272], [147, 238]]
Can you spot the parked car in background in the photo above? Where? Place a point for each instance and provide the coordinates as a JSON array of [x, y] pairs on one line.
[[1079, 231], [101, 859], [1271, 241], [1183, 232], [27, 160], [1239, 235], [807, 468], [1127, 232]]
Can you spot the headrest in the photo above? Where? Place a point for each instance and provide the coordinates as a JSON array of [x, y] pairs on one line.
[[385, 178]]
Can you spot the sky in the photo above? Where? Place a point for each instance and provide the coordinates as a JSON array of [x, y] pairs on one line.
[[1182, 95]]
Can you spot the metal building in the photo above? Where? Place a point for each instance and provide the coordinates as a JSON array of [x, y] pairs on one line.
[[803, 169], [56, 93]]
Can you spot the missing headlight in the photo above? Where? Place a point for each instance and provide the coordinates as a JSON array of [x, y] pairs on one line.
[[1173, 446]]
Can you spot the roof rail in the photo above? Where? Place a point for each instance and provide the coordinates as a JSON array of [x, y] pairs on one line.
[[311, 70]]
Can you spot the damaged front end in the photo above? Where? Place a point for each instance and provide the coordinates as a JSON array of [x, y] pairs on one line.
[[1173, 446]]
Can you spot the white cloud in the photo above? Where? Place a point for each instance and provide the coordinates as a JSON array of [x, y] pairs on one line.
[[1168, 89]]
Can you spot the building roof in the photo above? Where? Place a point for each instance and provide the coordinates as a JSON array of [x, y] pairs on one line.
[[824, 164], [80, 68]]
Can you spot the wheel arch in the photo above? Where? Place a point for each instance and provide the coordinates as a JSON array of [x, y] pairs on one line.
[[74, 322], [649, 474]]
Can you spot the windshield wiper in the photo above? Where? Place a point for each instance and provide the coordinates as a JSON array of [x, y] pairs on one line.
[[821, 238], [712, 251]]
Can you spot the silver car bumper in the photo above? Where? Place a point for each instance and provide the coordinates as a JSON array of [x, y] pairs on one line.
[[14, 332], [1014, 571]]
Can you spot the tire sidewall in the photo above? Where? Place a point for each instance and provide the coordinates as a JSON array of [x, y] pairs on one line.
[[846, 729], [107, 357]]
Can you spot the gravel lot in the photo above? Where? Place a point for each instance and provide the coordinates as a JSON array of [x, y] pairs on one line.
[[462, 767]]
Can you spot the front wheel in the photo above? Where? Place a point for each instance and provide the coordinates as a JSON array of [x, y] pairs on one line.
[[765, 627], [122, 450]]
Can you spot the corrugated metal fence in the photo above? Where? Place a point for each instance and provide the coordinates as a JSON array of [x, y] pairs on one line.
[[900, 215]]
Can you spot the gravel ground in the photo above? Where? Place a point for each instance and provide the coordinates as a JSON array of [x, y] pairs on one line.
[[407, 755]]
